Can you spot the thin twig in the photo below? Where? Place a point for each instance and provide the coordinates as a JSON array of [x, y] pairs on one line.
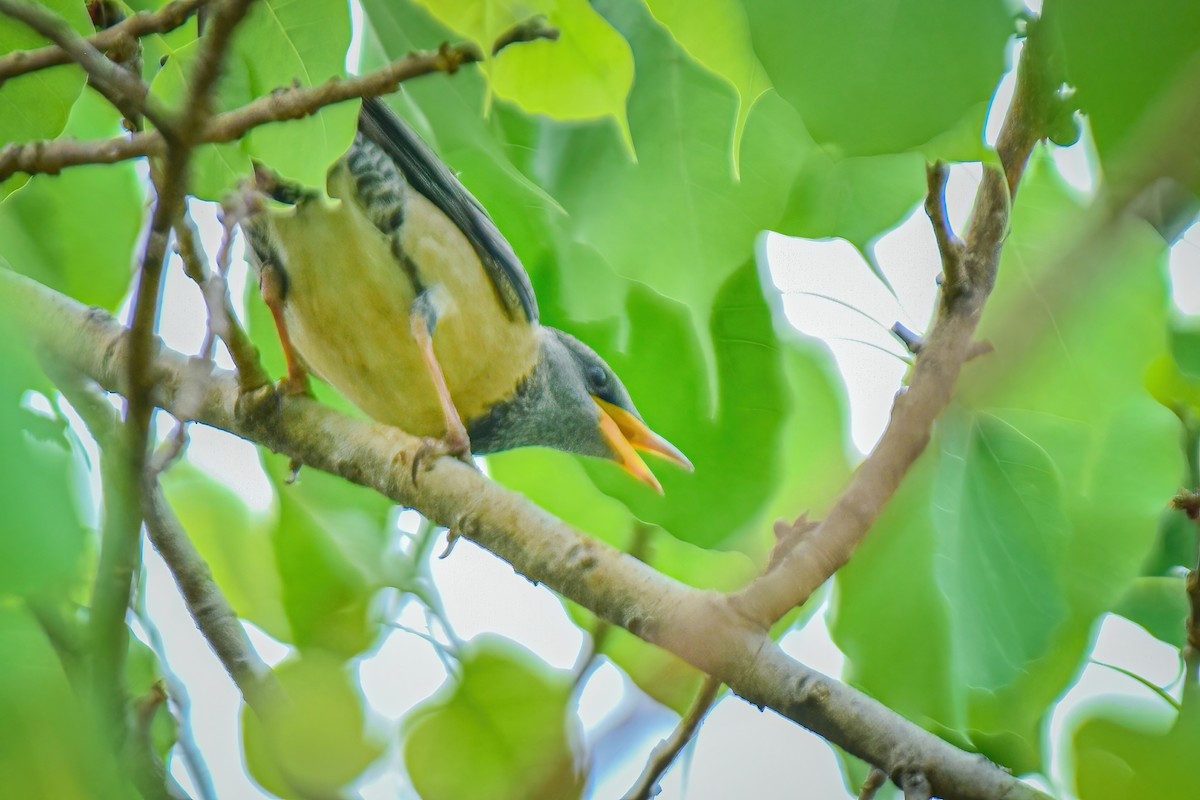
[[215, 290], [665, 752], [949, 246], [119, 86], [51, 157], [119, 37]]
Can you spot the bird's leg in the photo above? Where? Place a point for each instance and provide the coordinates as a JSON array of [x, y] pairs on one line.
[[271, 284], [455, 442]]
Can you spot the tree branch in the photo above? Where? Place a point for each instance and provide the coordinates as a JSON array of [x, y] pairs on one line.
[[666, 751], [119, 37], [970, 272], [698, 626], [51, 157]]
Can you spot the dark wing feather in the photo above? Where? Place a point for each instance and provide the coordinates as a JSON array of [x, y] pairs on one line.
[[426, 173]]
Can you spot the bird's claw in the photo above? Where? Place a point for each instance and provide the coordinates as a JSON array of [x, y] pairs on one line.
[[455, 443]]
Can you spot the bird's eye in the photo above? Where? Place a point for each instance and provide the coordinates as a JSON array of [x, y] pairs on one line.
[[597, 377]]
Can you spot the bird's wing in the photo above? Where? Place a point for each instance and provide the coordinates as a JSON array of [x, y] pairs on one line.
[[426, 173]]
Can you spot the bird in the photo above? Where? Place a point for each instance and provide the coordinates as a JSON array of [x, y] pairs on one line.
[[396, 287]]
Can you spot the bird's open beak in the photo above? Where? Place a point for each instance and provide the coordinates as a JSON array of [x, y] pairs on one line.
[[626, 434]]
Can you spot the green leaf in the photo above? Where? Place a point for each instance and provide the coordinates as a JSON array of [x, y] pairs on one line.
[[49, 746], [329, 555], [856, 199], [1133, 750], [1003, 529], [871, 77], [584, 74], [36, 105], [890, 618], [77, 232], [717, 34], [1122, 60], [502, 730], [677, 220], [215, 168], [283, 42], [43, 543], [1160, 605], [235, 542], [315, 742]]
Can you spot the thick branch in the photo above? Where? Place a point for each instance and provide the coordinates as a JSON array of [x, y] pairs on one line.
[[698, 626], [121, 36], [292, 103]]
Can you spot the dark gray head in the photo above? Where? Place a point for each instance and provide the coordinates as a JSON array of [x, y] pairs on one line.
[[573, 401]]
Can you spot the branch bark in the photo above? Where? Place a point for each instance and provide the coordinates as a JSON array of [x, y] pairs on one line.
[[700, 627]]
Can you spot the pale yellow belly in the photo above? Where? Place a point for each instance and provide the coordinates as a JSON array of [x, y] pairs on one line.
[[348, 306]]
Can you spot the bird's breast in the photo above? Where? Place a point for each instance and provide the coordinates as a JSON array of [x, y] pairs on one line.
[[349, 302]]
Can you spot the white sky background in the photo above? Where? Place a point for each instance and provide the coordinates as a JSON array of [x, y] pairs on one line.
[[740, 751]]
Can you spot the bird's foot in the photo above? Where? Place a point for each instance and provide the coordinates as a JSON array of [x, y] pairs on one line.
[[455, 443], [296, 385]]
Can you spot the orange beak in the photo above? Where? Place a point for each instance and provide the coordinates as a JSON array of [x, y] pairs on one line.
[[626, 434]]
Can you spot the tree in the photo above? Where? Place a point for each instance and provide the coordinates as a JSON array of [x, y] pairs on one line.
[[633, 153]]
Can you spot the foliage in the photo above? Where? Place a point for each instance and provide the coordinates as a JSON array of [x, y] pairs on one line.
[[634, 164]]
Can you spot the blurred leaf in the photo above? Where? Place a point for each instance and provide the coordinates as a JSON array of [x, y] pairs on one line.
[[1131, 750], [328, 554], [49, 747], [48, 93], [1160, 605], [43, 542], [1175, 546], [890, 618], [871, 78], [1122, 59], [717, 34], [315, 742], [77, 232], [235, 542], [502, 730], [1002, 530]]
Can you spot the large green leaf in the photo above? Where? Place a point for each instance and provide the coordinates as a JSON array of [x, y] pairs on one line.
[[1160, 605], [329, 540], [36, 105], [314, 742], [890, 618], [298, 41], [584, 74], [1123, 59], [502, 730], [1002, 530], [77, 232], [235, 542], [872, 77], [49, 746], [677, 219], [717, 34], [1130, 750], [43, 543]]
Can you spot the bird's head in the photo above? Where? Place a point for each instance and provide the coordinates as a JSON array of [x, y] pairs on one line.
[[573, 401]]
